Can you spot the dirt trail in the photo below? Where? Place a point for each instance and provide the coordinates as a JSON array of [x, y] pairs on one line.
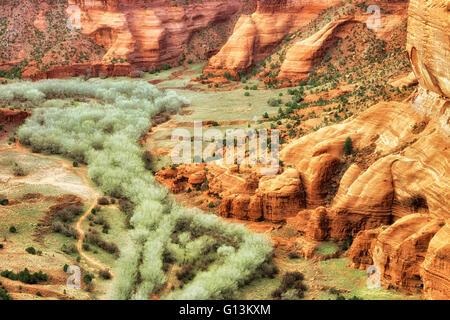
[[95, 194], [230, 174]]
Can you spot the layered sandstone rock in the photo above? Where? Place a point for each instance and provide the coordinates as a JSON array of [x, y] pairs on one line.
[[148, 33], [133, 35], [256, 35], [429, 48], [304, 55], [435, 270], [400, 250], [414, 252], [360, 253], [275, 199], [429, 45], [244, 194]]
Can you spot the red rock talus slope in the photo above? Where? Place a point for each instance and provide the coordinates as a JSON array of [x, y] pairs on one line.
[[256, 35]]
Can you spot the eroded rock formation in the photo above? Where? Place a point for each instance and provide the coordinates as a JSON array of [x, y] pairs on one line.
[[392, 197], [244, 195], [148, 33], [258, 34], [120, 36]]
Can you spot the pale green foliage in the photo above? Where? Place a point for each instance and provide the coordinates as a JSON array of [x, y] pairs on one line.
[[33, 95], [6, 95], [103, 133]]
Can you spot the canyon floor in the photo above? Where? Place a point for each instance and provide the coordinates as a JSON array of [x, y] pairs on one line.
[[361, 102], [53, 182]]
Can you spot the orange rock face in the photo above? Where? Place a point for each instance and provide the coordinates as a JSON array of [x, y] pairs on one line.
[[304, 55], [435, 269], [13, 117], [117, 36], [256, 198], [414, 253], [428, 47], [149, 33], [361, 250], [256, 35], [428, 44], [400, 250]]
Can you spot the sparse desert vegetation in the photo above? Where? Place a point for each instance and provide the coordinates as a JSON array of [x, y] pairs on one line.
[[104, 136], [87, 180]]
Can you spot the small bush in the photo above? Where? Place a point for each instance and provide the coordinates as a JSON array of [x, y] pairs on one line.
[[291, 280], [103, 201], [12, 229], [4, 295], [105, 274], [31, 250], [19, 170], [64, 229], [69, 248], [273, 102], [348, 147], [67, 214], [293, 255], [87, 278], [277, 293]]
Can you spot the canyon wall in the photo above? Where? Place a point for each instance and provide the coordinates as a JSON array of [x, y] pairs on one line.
[[258, 34], [393, 203], [112, 37], [303, 55], [414, 252], [148, 33]]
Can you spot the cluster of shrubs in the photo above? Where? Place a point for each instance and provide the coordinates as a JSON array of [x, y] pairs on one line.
[[67, 214], [65, 229], [33, 251], [274, 102], [69, 248], [104, 136], [4, 293], [95, 238], [291, 280], [25, 276], [339, 296]]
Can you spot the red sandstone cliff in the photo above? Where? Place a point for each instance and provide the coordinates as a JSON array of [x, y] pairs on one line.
[[394, 203], [115, 37], [258, 34]]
